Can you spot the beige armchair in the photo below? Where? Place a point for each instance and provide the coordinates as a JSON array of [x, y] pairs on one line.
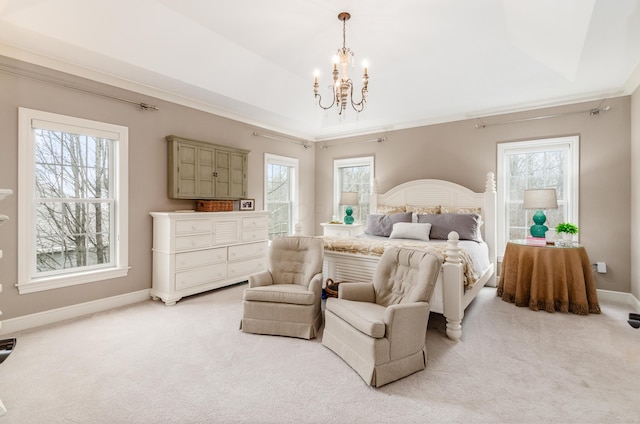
[[379, 328], [285, 299]]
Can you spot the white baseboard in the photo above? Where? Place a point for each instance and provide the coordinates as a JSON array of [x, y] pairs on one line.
[[619, 297], [27, 322]]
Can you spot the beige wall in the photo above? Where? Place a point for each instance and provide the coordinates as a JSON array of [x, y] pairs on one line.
[[459, 152], [147, 174], [635, 194]]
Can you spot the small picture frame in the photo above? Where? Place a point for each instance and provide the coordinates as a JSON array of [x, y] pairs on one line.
[[247, 204]]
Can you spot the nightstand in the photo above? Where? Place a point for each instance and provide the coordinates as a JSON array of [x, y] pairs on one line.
[[342, 230], [550, 278]]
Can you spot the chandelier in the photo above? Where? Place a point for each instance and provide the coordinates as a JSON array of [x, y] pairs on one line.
[[342, 84]]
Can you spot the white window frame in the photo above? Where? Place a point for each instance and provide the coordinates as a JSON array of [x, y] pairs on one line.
[[28, 281], [347, 163], [270, 158], [571, 177]]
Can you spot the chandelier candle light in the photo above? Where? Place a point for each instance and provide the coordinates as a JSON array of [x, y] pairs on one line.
[[349, 198], [539, 199], [342, 84]]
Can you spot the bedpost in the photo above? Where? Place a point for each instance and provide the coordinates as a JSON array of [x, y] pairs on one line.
[[452, 288], [490, 225], [373, 199]]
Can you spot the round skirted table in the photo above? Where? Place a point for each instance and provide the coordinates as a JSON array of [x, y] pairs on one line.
[[551, 278]]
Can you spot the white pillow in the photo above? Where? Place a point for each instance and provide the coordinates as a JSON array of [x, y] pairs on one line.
[[409, 230]]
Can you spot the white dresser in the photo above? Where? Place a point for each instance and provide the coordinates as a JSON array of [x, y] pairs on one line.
[[198, 251]]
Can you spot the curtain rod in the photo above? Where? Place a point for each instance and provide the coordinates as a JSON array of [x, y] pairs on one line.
[[592, 112], [304, 144], [373, 140], [142, 106]]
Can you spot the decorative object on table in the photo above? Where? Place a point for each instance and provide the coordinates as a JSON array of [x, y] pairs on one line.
[[539, 199], [214, 205], [634, 320], [349, 198], [342, 86], [536, 241], [567, 230], [247, 204]]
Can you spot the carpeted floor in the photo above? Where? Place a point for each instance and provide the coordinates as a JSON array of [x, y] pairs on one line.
[[189, 363]]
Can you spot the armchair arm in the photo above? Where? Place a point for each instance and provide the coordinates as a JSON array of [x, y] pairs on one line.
[[362, 292], [262, 278], [315, 285], [406, 327]]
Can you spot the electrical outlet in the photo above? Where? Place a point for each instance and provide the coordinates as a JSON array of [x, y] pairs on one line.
[[601, 267]]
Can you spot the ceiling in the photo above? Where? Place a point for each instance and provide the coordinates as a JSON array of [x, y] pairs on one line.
[[429, 61]]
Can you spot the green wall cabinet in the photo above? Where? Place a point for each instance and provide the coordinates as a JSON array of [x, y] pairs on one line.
[[202, 170]]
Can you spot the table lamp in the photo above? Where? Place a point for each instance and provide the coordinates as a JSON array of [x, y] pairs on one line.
[[543, 198], [349, 198]]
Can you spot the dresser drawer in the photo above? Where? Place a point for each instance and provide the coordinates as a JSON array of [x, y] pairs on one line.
[[252, 222], [191, 226], [201, 258], [197, 241], [200, 276], [247, 267], [337, 233], [254, 235], [246, 251]]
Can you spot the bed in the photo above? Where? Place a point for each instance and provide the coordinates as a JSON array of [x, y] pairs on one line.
[[463, 272]]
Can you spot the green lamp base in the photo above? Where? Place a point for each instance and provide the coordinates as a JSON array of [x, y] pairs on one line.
[[539, 230], [348, 219]]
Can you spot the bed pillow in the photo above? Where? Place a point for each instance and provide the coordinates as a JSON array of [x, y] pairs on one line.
[[389, 209], [449, 209], [382, 225], [410, 230], [467, 225]]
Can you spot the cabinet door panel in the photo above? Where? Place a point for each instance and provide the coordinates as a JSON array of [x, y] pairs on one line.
[[222, 173], [187, 170], [226, 231], [206, 185]]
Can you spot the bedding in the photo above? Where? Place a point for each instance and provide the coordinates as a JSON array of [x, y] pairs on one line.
[[474, 255]]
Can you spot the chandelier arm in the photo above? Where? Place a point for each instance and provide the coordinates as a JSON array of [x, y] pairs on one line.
[[357, 106], [320, 102]]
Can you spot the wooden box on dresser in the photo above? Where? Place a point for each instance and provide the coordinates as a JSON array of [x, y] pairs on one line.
[[198, 251]]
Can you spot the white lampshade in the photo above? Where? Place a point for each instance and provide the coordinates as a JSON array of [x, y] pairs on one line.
[[543, 198], [349, 198]]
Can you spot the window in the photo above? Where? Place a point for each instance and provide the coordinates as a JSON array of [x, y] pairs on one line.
[[546, 163], [281, 194], [352, 175], [72, 201]]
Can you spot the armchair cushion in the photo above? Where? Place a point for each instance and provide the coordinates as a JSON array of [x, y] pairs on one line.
[[366, 317], [281, 293]]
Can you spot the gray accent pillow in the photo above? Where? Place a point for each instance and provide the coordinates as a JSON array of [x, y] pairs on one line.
[[382, 225], [467, 225]]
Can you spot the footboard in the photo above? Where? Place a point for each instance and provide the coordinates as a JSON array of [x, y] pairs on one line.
[[449, 299]]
